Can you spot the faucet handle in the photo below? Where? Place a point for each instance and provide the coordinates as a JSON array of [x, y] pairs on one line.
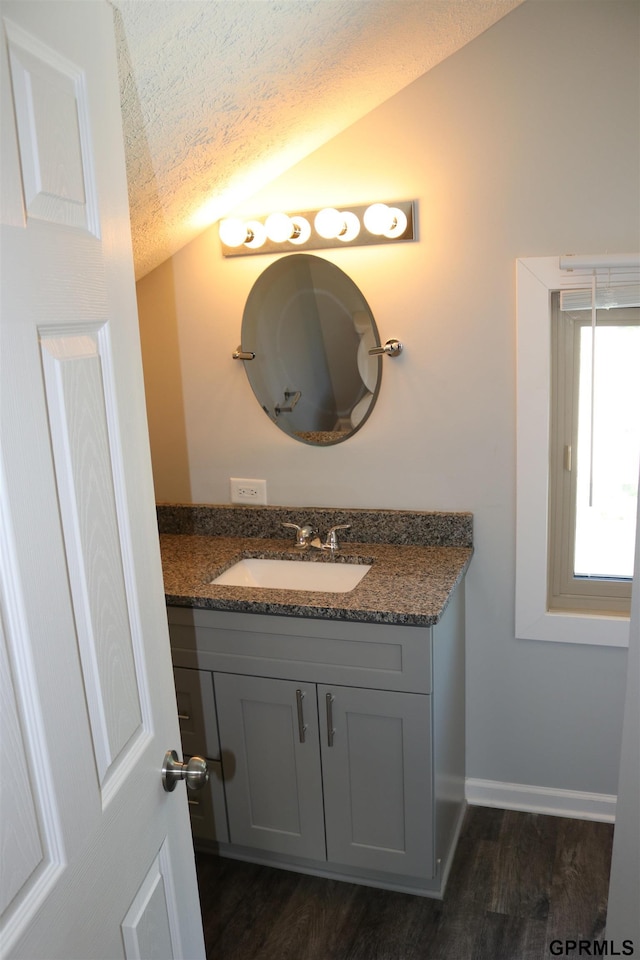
[[332, 539], [304, 533]]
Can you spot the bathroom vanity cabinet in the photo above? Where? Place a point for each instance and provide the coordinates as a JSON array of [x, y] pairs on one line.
[[321, 772], [336, 748]]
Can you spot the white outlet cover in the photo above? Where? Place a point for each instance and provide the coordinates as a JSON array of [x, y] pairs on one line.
[[245, 490]]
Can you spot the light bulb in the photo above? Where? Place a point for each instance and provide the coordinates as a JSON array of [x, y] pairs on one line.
[[352, 225], [377, 219], [301, 230], [279, 227], [399, 224], [329, 223], [384, 221], [233, 232], [258, 234]]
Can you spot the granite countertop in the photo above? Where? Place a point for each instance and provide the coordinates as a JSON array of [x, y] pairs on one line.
[[408, 584]]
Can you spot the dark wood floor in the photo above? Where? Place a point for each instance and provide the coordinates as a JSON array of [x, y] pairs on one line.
[[518, 881]]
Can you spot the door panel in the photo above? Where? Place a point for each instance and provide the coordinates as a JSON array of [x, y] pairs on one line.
[[52, 120], [377, 816], [146, 929], [87, 471], [23, 850], [272, 777], [377, 779]]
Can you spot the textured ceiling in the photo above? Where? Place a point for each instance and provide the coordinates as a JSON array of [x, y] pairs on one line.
[[221, 96]]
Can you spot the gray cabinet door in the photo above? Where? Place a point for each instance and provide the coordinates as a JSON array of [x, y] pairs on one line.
[[196, 712], [271, 761], [377, 776], [199, 735], [208, 810]]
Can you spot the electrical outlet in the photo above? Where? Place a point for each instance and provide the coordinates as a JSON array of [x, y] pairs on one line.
[[248, 491]]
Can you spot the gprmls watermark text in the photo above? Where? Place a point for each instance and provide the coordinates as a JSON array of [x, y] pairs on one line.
[[592, 948]]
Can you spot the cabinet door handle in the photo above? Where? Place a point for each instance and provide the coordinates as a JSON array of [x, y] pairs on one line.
[[184, 716], [301, 724], [330, 730]]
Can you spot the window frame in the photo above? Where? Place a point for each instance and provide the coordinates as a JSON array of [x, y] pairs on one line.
[[536, 279], [609, 596]]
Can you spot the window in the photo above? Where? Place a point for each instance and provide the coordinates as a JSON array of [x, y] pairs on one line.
[[571, 580], [594, 457]]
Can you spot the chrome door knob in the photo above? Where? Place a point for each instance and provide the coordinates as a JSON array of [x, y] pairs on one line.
[[194, 772]]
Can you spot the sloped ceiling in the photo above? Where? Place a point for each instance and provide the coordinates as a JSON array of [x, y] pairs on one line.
[[221, 96]]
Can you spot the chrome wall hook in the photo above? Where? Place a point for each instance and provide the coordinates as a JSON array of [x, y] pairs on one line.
[[241, 354], [392, 348]]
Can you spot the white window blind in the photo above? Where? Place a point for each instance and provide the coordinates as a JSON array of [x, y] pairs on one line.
[[600, 282], [608, 295]]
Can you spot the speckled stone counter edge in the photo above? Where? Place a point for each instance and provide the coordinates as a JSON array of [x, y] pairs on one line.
[[400, 527]]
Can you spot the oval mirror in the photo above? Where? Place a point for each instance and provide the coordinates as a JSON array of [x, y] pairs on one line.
[[311, 329]]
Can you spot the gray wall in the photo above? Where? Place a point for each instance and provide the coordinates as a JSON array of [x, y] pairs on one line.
[[524, 143]]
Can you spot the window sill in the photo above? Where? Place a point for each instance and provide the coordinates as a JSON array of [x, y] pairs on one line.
[[561, 627]]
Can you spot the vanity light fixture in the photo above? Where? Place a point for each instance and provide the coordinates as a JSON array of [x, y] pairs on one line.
[[317, 229]]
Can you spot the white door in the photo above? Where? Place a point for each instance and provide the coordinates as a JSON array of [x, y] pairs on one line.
[[97, 858]]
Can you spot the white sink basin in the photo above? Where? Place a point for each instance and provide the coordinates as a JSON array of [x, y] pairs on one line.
[[294, 575]]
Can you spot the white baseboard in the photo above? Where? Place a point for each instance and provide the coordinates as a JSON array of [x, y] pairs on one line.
[[556, 803]]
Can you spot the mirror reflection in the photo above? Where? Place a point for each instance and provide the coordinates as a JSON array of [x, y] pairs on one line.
[[311, 330]]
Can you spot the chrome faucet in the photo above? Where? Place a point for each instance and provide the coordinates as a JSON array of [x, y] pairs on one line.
[[331, 543], [304, 534]]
